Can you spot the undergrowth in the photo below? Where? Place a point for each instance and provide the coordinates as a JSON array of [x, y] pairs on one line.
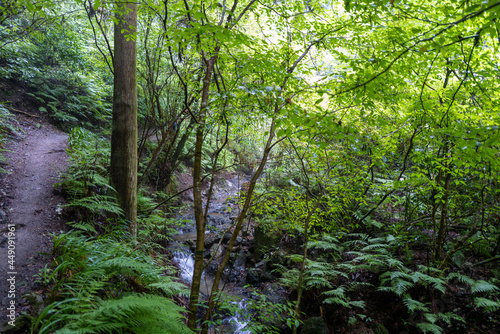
[[8, 127], [59, 77], [101, 281], [104, 285], [340, 267]]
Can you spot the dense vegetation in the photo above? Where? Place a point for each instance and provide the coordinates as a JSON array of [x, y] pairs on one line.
[[369, 131]]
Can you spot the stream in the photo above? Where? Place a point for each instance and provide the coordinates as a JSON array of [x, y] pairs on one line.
[[221, 215], [237, 322]]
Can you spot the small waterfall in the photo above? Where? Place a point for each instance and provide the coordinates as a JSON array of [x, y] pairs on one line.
[[239, 320], [219, 218], [184, 257]]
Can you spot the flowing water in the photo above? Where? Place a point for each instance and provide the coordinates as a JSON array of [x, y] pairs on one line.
[[184, 257], [239, 321], [220, 217]]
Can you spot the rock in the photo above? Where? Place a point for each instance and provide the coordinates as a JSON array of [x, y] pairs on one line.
[[264, 241], [36, 301], [253, 276], [261, 264], [191, 244], [227, 236], [241, 258], [216, 250], [314, 325], [211, 239], [275, 293]]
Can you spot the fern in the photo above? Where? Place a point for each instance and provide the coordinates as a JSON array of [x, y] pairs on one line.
[[90, 276], [124, 265], [134, 313], [483, 287], [338, 297], [424, 279], [461, 278], [398, 286], [317, 281], [375, 247], [488, 304], [430, 328], [328, 243], [98, 204], [87, 227], [414, 305], [449, 317], [170, 287]]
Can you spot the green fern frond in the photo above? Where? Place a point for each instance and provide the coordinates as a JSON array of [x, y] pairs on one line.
[[317, 281], [338, 292], [135, 313], [124, 265], [337, 301], [357, 303], [171, 288], [97, 204], [326, 245], [430, 270], [398, 286], [449, 316], [430, 328], [425, 279], [375, 247], [483, 287], [391, 275], [295, 258], [378, 240], [394, 263], [461, 278], [339, 298], [431, 317], [414, 305], [87, 227], [488, 304]]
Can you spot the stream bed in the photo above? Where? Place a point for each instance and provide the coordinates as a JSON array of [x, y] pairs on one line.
[[221, 214]]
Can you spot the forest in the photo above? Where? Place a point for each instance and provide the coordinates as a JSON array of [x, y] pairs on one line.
[[265, 166]]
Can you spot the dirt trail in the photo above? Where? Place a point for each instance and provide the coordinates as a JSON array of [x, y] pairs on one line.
[[28, 206]]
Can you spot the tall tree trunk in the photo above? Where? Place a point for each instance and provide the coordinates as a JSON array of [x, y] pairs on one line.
[[198, 203], [124, 129]]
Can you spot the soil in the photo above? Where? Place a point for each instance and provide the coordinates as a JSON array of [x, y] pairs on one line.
[[29, 209]]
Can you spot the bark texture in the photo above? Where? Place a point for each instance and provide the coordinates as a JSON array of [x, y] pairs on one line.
[[124, 128]]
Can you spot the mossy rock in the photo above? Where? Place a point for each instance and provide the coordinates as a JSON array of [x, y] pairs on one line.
[[264, 241], [314, 325]]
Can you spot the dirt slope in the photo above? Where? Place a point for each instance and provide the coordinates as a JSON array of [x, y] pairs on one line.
[[28, 205]]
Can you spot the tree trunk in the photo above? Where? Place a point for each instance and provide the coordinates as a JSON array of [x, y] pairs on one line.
[[123, 167], [237, 228], [443, 218], [198, 203]]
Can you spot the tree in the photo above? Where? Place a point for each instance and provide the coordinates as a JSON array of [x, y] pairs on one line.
[[124, 128]]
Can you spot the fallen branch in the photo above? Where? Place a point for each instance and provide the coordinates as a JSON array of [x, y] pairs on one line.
[[23, 112], [495, 258]]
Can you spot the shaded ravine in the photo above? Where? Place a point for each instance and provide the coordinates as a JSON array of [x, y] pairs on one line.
[[30, 205]]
